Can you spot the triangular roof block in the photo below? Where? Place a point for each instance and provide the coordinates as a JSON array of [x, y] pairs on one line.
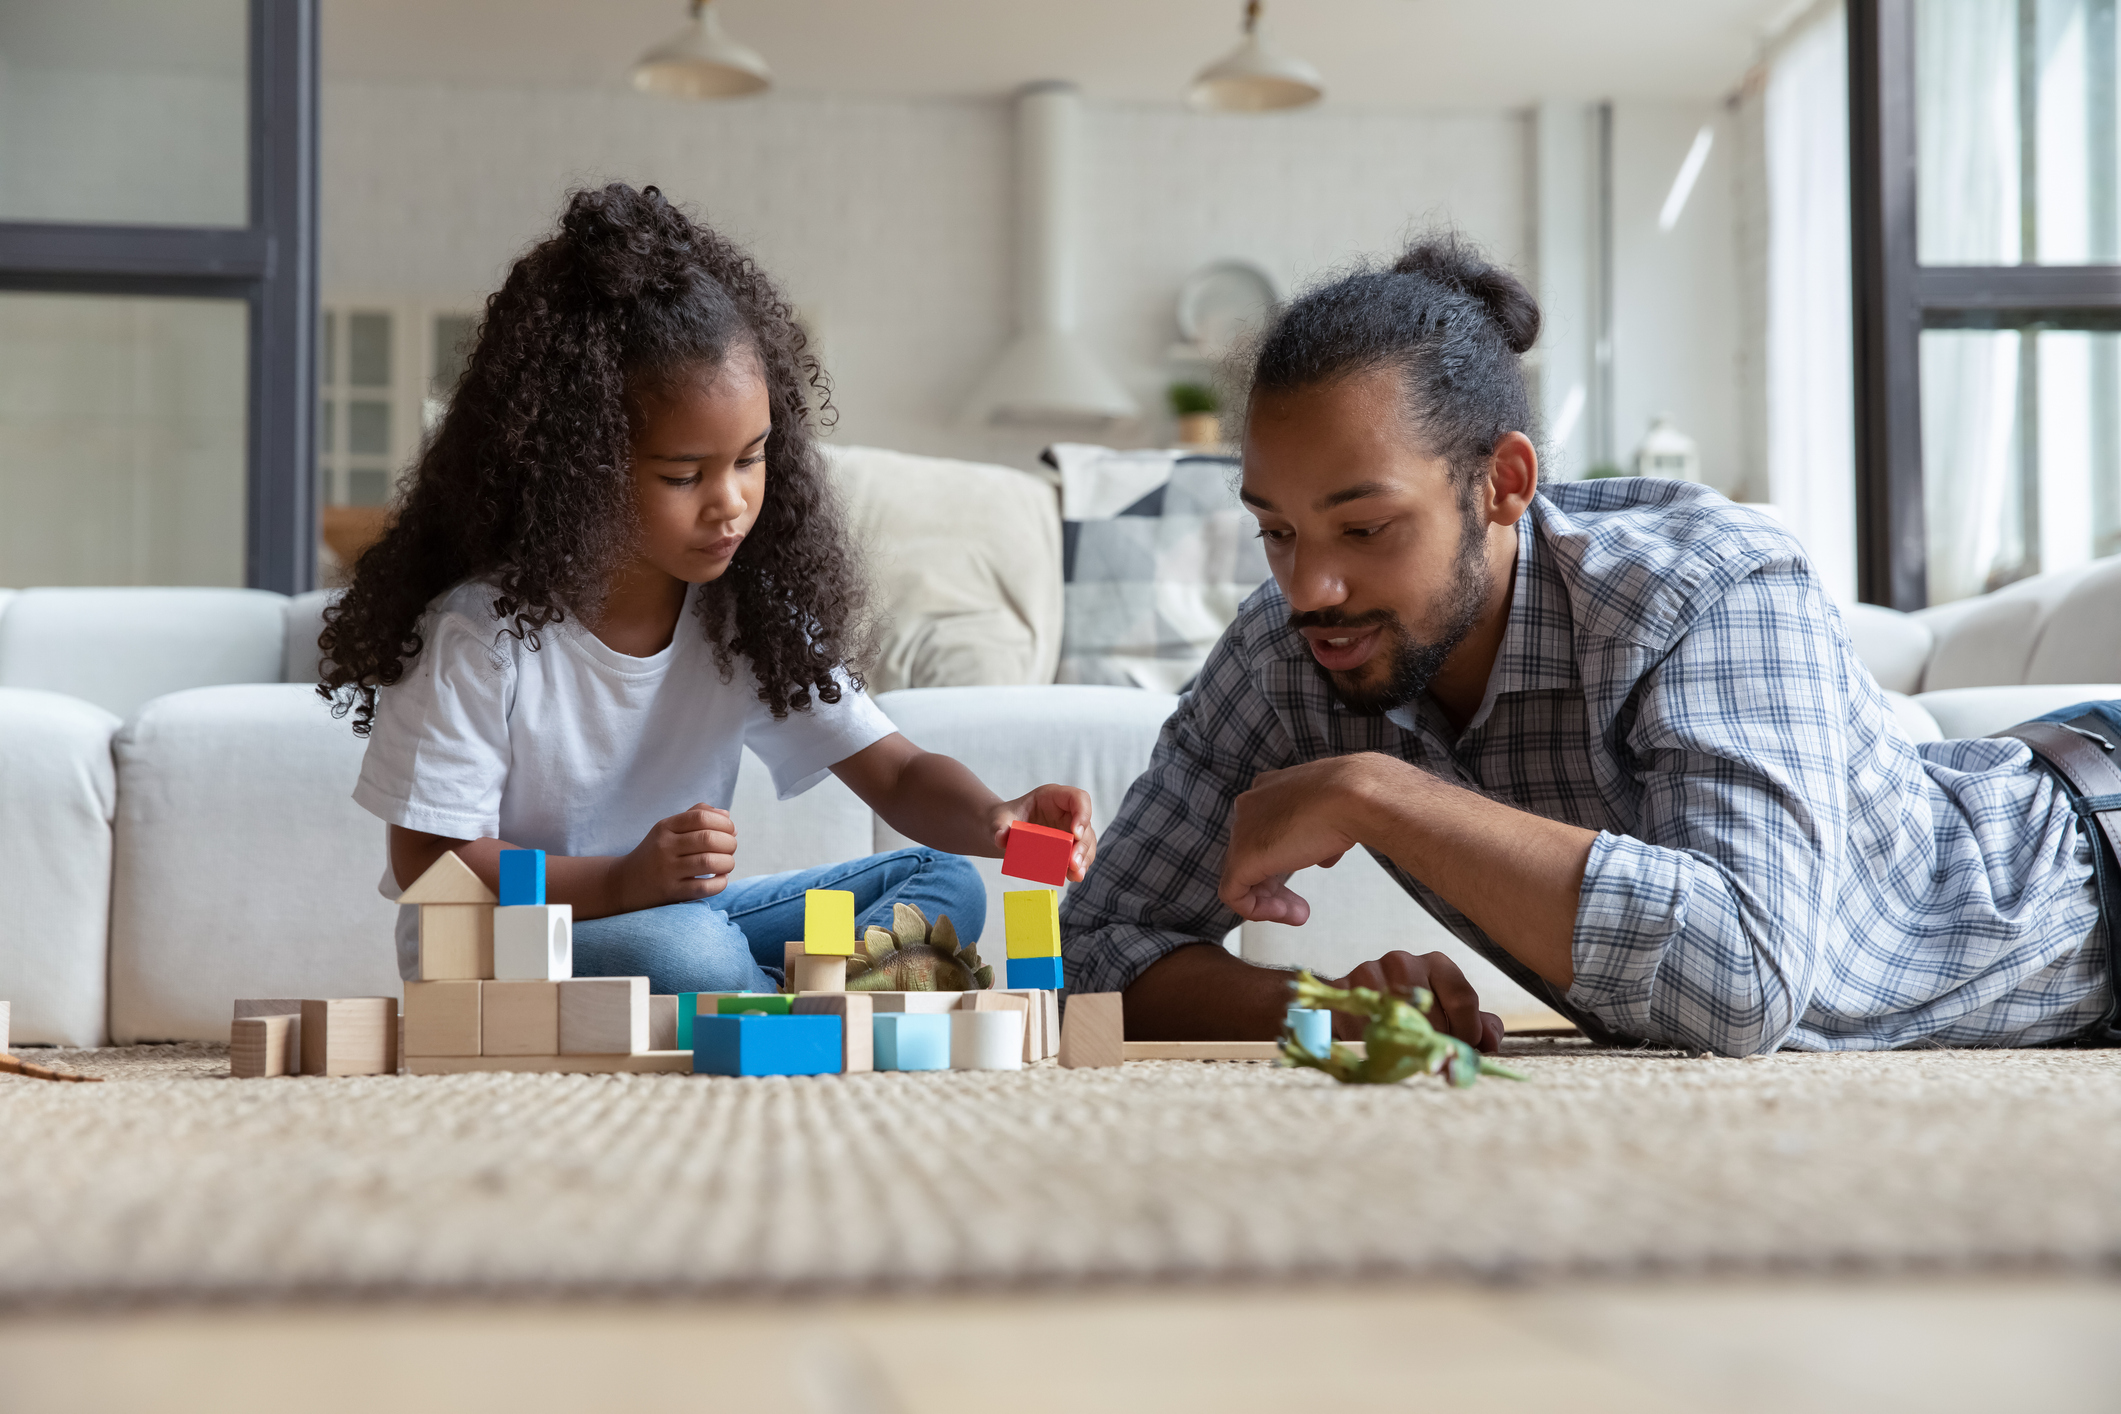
[[448, 880]]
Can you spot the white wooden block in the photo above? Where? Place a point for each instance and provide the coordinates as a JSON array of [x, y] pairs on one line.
[[533, 942], [987, 1040], [603, 1016], [278, 1006]]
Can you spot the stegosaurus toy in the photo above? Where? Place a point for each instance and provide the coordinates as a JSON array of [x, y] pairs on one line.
[[911, 956], [1398, 1042]]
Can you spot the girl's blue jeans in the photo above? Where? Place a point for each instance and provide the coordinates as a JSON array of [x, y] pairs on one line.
[[733, 941]]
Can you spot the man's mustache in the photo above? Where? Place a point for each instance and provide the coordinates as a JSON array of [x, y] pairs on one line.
[[1340, 618]]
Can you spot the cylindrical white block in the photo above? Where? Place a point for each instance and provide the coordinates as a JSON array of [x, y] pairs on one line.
[[987, 1040]]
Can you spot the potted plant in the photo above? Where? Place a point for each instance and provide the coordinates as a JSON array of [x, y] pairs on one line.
[[1195, 406]]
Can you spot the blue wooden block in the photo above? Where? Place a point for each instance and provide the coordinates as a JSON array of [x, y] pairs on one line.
[[912, 1040], [522, 877], [1312, 1028], [1035, 972], [766, 1045]]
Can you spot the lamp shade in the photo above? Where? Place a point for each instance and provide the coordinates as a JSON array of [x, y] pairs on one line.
[[1255, 78], [701, 61]]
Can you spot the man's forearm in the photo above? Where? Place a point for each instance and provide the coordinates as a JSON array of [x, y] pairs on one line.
[[1201, 993]]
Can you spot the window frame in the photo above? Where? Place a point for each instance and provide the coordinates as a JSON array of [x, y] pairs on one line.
[[1896, 298], [270, 264]]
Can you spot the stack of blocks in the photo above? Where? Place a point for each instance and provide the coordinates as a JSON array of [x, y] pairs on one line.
[[1032, 916]]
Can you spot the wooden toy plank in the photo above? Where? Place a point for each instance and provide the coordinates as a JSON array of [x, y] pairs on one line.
[[1093, 1030], [643, 1063], [257, 1046], [603, 1016], [857, 1025], [456, 942], [1210, 1050], [442, 1018], [350, 1036], [818, 974], [1051, 1031], [533, 942], [278, 1006], [663, 1023], [1032, 918], [519, 1018], [1039, 853], [448, 880], [828, 921]]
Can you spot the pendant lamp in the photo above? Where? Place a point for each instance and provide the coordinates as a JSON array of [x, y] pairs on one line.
[[700, 61], [1255, 78]]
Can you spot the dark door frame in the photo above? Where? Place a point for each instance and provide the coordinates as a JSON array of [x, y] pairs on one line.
[[270, 264]]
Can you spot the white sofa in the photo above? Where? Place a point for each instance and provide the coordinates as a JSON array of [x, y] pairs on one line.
[[176, 828]]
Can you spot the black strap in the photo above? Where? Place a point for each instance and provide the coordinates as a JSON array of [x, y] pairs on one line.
[[2080, 756]]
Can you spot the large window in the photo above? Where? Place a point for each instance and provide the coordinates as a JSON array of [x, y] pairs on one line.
[[157, 292], [1987, 163]]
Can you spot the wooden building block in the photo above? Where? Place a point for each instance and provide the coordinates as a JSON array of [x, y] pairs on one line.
[[522, 877], [987, 1039], [911, 1040], [350, 1036], [456, 942], [828, 921], [603, 1016], [916, 1001], [644, 1063], [1038, 852], [257, 1046], [278, 1006], [857, 1025], [819, 974], [1034, 1023], [519, 1019], [789, 953], [1211, 1050], [766, 1045], [746, 1003], [1041, 972], [663, 1024], [1051, 1031], [1093, 1030], [442, 1018], [1032, 917], [448, 880], [533, 942]]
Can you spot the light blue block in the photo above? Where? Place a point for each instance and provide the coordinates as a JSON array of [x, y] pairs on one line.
[[522, 877], [766, 1045], [1035, 972], [1313, 1029], [912, 1040]]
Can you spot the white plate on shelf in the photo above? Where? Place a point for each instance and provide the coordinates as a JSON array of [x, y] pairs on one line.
[[1222, 302]]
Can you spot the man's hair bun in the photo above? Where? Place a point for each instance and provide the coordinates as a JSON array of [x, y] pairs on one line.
[[1453, 263]]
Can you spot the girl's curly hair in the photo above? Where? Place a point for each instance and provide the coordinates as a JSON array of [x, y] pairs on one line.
[[526, 484]]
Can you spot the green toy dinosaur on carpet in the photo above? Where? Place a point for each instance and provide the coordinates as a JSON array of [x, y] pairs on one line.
[[1398, 1042]]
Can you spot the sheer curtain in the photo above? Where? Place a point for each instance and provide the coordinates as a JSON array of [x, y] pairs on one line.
[[1810, 360]]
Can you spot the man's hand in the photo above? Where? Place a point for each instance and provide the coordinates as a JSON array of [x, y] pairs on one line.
[[1056, 807], [1290, 820], [1456, 1009], [670, 862]]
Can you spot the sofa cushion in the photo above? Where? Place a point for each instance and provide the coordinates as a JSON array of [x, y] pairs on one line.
[[119, 647], [966, 562], [57, 793], [1913, 717], [2080, 636], [1894, 646], [299, 659], [242, 866], [1981, 711]]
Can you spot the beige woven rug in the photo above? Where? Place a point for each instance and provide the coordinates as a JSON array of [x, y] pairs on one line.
[[173, 1180]]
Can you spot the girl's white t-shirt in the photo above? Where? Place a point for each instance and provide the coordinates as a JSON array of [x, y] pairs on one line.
[[575, 748]]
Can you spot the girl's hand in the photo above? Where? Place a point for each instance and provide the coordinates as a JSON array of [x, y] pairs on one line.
[[1056, 807], [671, 862]]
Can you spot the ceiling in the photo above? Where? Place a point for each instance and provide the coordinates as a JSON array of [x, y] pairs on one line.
[[1452, 54]]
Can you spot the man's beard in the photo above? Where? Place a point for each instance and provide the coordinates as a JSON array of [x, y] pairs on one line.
[[1411, 663]]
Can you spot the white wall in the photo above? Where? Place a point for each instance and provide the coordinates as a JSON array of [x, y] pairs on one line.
[[888, 220]]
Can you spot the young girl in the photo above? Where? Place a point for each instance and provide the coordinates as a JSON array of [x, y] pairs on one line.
[[618, 563]]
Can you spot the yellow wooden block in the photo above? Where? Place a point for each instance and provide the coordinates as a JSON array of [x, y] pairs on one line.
[[828, 922], [1033, 919]]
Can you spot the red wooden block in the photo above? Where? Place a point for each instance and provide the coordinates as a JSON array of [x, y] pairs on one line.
[[1038, 853]]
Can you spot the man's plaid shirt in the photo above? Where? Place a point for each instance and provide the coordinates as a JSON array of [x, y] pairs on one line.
[[1776, 864]]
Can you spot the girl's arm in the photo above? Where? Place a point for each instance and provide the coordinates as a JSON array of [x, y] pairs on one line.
[[667, 866], [935, 800]]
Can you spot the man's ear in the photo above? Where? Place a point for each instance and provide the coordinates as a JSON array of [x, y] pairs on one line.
[[1513, 478]]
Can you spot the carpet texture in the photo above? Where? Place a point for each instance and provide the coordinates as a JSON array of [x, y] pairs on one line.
[[173, 1180]]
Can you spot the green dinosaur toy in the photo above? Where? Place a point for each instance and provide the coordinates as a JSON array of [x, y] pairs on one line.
[[910, 956], [1399, 1040]]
